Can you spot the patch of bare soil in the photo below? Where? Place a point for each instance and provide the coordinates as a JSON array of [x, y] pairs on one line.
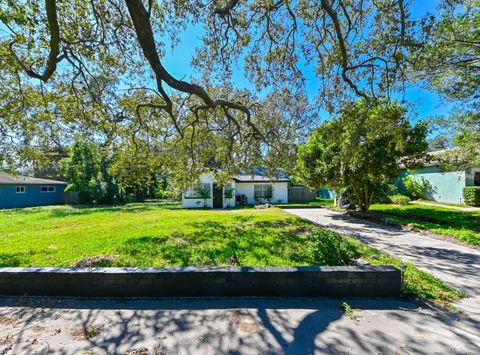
[[8, 339], [245, 322], [38, 329], [88, 332], [100, 260], [6, 321]]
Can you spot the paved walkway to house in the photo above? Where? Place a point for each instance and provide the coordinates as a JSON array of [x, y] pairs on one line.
[[230, 326], [457, 265], [467, 209]]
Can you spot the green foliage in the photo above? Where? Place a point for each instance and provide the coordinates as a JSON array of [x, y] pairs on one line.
[[229, 193], [416, 187], [102, 177], [449, 64], [449, 59], [86, 173], [360, 150], [348, 310], [416, 282], [471, 195], [329, 248], [162, 234], [205, 195], [399, 199], [448, 222]]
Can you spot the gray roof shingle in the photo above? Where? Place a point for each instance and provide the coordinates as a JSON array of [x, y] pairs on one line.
[[260, 176], [8, 179]]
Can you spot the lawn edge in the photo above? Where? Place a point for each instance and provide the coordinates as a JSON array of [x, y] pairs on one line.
[[392, 221]]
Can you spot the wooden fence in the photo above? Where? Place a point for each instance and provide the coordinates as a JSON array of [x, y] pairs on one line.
[[301, 194], [71, 197]]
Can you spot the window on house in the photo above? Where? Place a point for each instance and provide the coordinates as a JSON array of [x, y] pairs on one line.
[[476, 178], [262, 191], [20, 189], [47, 188], [198, 191]]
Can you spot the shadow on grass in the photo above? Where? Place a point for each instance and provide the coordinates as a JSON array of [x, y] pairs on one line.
[[69, 210], [216, 244], [452, 218], [20, 258]]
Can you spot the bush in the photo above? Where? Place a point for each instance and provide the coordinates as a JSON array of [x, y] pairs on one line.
[[399, 199], [416, 187], [383, 191], [471, 195], [330, 248]]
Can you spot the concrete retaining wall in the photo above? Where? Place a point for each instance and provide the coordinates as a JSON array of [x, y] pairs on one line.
[[348, 281]]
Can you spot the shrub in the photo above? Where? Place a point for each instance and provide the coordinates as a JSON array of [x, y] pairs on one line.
[[399, 199], [416, 187], [383, 191], [471, 195], [330, 248]]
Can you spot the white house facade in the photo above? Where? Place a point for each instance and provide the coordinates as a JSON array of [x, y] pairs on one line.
[[243, 189]]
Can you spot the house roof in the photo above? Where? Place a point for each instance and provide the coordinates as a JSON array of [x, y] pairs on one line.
[[8, 179], [260, 175]]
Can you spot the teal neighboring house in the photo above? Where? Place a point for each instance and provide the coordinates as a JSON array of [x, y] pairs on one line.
[[445, 186], [23, 191]]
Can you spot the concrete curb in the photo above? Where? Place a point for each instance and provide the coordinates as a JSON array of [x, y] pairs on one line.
[[308, 281]]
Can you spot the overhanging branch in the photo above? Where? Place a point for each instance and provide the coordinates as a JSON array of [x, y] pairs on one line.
[[53, 57]]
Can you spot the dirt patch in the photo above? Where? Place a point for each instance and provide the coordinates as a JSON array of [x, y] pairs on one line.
[[88, 332], [245, 322], [143, 351], [100, 260], [233, 260], [8, 339], [6, 321], [38, 329]]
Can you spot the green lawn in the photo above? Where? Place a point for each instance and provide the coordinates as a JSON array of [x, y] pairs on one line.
[[461, 225], [162, 234]]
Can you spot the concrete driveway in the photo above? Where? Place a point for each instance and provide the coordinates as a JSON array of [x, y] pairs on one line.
[[457, 265], [230, 326]]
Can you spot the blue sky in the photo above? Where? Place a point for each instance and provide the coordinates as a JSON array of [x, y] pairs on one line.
[[426, 103]]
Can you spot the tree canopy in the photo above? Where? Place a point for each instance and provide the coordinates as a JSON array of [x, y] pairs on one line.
[[361, 150], [96, 69]]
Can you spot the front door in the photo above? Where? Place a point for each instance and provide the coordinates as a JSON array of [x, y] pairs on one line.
[[217, 196]]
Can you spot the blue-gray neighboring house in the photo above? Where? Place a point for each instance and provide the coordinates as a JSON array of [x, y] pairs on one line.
[[445, 186], [24, 191]]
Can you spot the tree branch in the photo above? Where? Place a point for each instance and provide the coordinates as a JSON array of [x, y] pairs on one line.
[[53, 57]]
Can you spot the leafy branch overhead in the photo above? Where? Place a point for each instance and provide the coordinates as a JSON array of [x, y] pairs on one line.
[[272, 37]]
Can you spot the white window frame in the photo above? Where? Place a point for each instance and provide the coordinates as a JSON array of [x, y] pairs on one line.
[[20, 189], [264, 188], [192, 192], [50, 189]]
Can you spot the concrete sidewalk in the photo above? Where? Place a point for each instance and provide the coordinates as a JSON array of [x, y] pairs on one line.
[[230, 326], [457, 265]]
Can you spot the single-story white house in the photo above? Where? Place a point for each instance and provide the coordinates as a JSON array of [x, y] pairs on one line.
[[243, 189]]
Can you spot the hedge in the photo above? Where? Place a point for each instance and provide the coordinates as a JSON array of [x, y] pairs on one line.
[[471, 195], [399, 199]]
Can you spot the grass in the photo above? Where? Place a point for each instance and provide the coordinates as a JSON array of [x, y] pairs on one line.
[[156, 235], [463, 226], [416, 283], [319, 201], [161, 234], [445, 203]]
